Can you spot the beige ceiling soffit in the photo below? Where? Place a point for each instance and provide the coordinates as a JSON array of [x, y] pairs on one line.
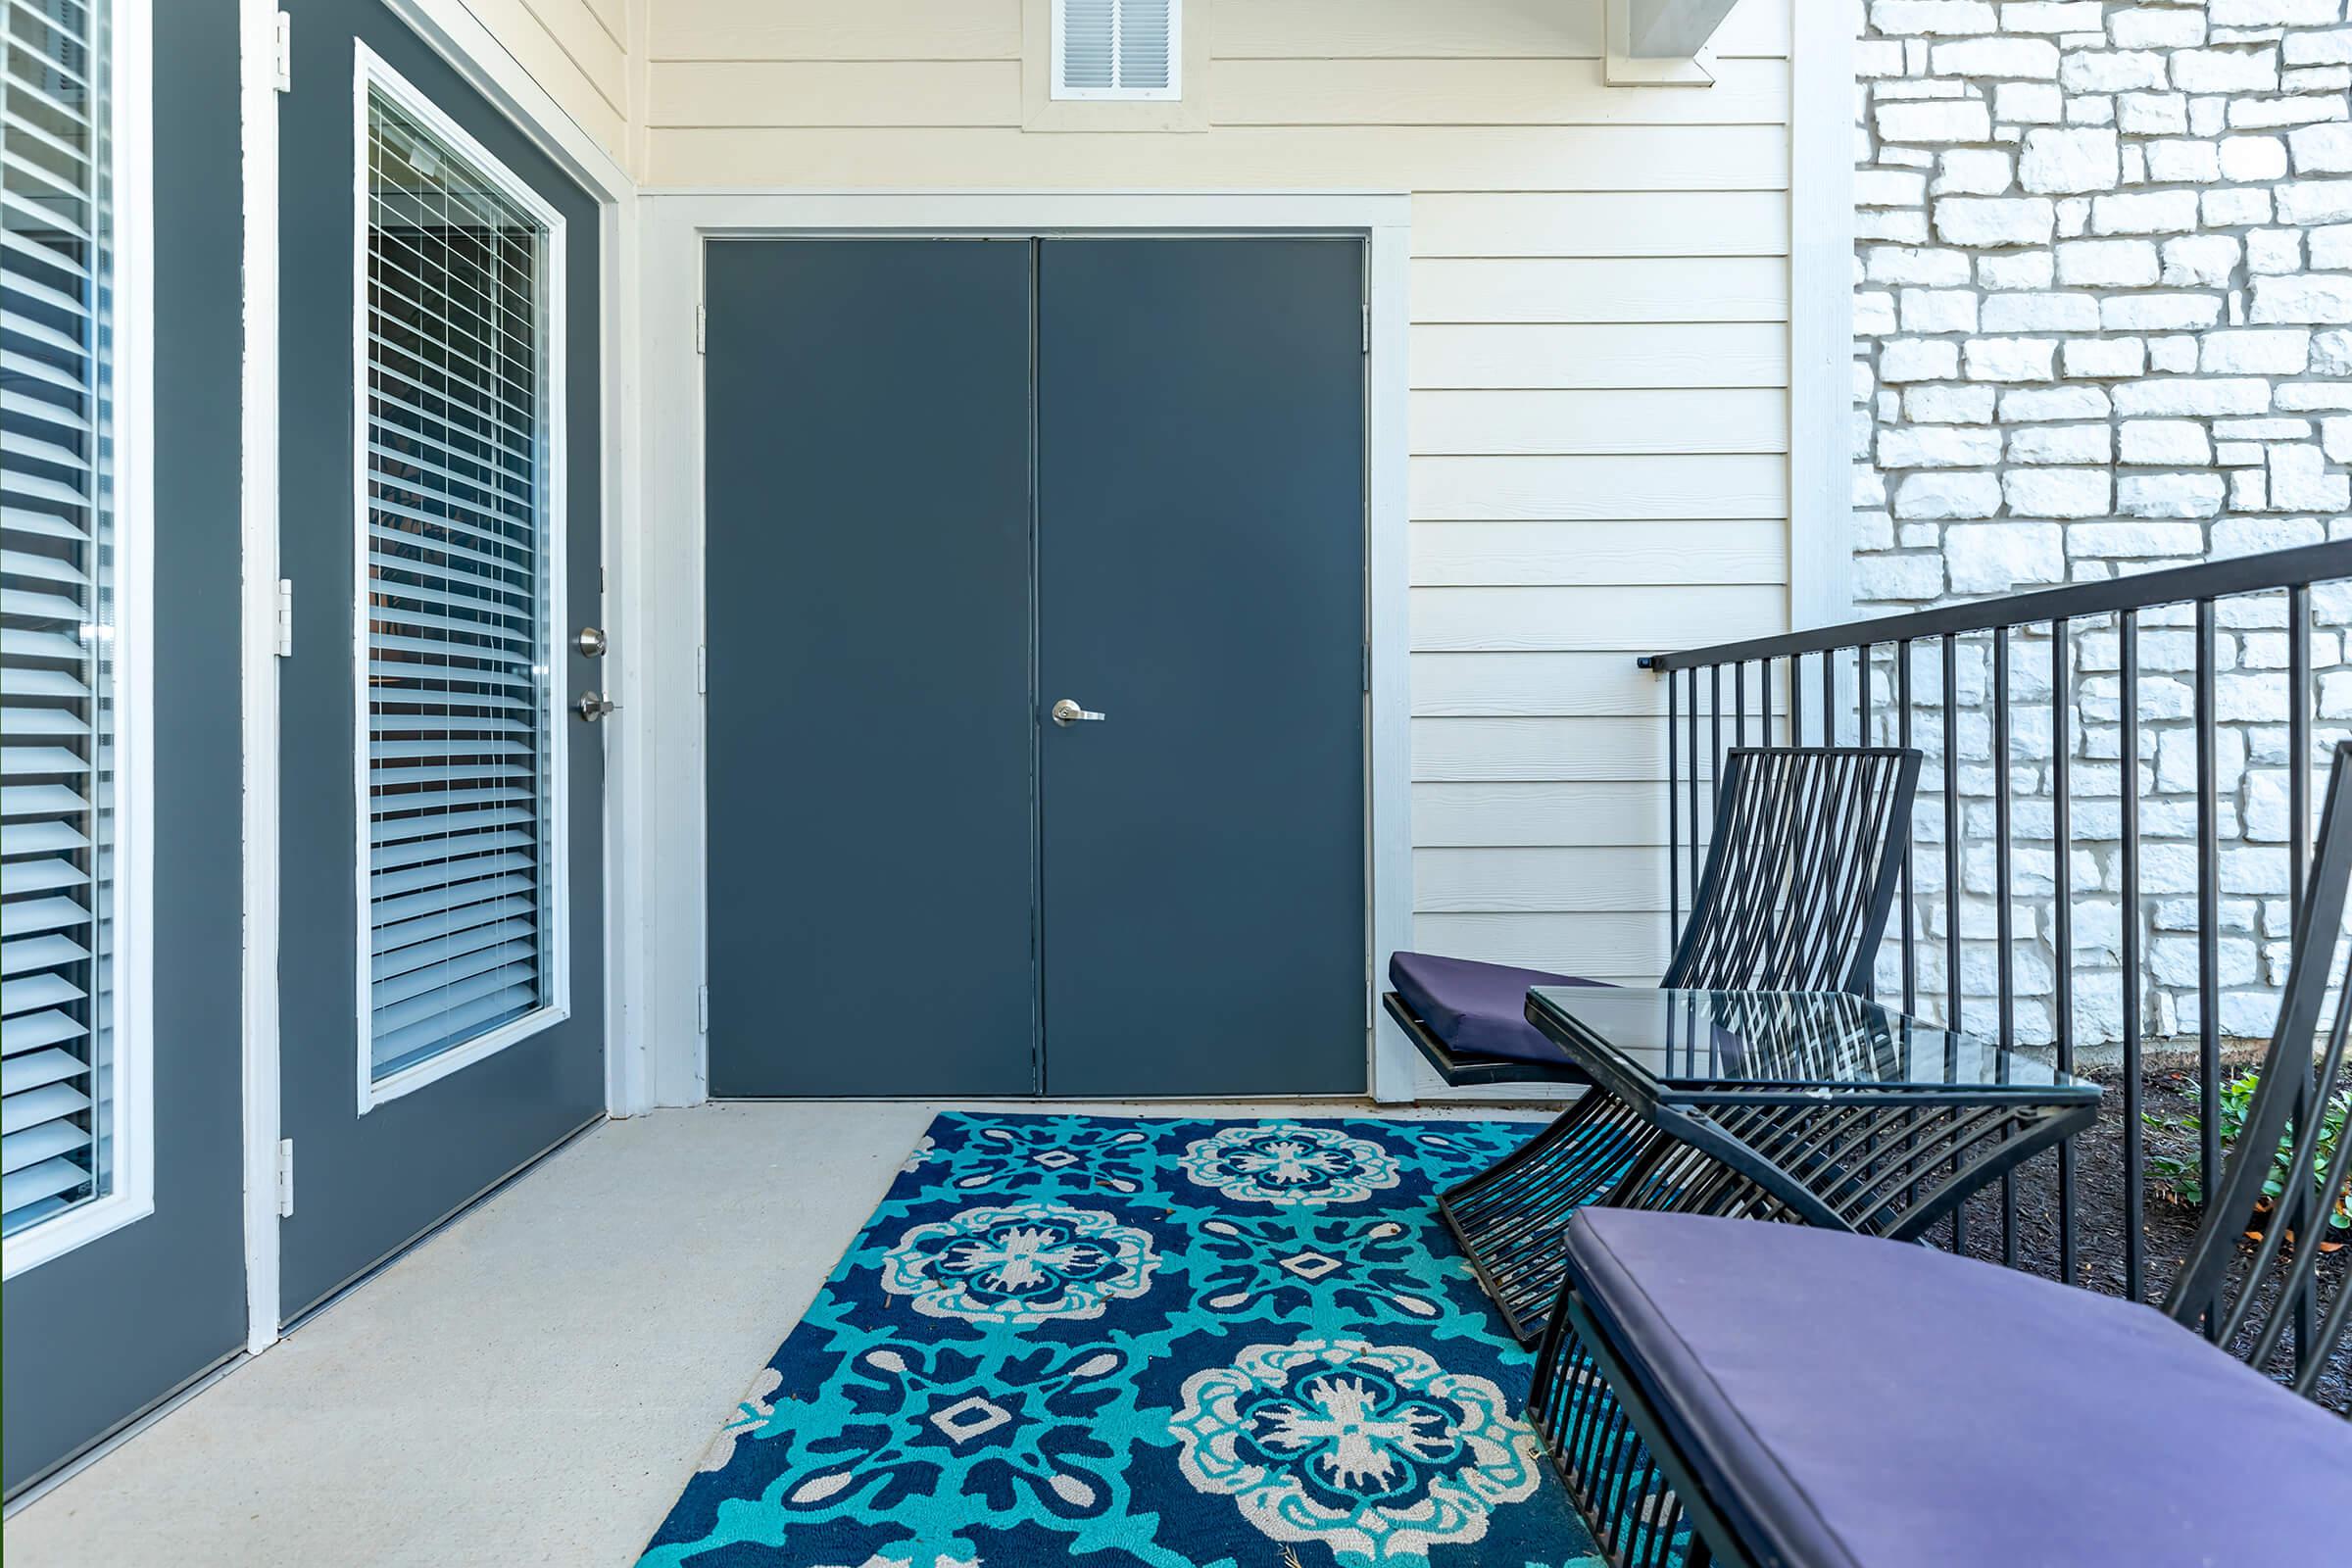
[[1661, 43]]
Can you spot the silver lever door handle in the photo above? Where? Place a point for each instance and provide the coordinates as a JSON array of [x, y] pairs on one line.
[[592, 706], [1068, 712]]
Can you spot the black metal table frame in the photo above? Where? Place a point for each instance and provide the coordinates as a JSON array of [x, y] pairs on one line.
[[1882, 1161]]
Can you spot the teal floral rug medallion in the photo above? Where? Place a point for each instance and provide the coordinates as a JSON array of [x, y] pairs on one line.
[[1145, 1343]]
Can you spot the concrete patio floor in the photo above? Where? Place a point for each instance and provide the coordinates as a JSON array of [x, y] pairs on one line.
[[534, 1384]]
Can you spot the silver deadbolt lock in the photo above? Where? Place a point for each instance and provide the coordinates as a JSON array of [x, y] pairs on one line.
[[593, 706], [1068, 712], [591, 641]]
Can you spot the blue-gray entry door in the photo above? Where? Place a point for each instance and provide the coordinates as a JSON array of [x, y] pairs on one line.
[[1200, 584], [458, 855], [949, 484], [100, 1334], [866, 507]]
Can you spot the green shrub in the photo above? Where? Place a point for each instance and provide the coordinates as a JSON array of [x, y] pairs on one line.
[[2180, 1178]]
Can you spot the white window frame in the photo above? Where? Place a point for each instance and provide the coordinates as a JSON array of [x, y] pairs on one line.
[[130, 1085], [1171, 93], [374, 74]]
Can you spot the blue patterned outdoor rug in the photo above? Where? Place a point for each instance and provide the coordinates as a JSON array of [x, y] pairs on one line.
[[1145, 1343]]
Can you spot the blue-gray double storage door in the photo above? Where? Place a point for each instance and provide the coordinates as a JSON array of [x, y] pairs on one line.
[[950, 483]]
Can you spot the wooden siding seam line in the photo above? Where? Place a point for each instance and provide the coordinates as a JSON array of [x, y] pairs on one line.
[[577, 64]]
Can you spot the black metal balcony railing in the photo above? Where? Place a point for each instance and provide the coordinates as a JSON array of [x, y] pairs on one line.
[[1898, 680]]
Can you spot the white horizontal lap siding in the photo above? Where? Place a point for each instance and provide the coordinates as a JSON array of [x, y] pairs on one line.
[[1599, 357]]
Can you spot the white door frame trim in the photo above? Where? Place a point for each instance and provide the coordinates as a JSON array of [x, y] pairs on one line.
[[452, 30], [669, 717]]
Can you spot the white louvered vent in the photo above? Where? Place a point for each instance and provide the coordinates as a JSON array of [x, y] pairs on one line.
[[56, 550], [459, 732], [1117, 48]]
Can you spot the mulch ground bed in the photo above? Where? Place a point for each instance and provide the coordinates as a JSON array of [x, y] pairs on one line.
[[2101, 1220]]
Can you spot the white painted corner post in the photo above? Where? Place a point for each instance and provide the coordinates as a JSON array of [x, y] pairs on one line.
[[1821, 313]]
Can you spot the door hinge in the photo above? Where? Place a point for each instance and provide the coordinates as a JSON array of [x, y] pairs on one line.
[[285, 617], [702, 1009], [285, 52], [286, 1178], [1368, 329], [702, 319], [702, 668], [1367, 666]]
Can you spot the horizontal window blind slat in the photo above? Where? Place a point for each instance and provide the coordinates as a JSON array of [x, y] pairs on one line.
[[32, 916], [49, 1102], [29, 954], [38, 837], [32, 1030], [40, 1142], [448, 873], [394, 1048], [442, 978], [392, 937], [20, 721], [42, 645], [418, 850], [393, 911], [35, 991], [41, 799], [419, 956], [477, 772], [435, 824], [36, 1068], [393, 751], [41, 876], [21, 1189]]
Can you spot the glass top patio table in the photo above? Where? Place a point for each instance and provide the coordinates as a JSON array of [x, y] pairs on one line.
[[1784, 1048]]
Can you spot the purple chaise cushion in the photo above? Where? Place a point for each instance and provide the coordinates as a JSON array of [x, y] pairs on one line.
[[1479, 1010], [1869, 1402]]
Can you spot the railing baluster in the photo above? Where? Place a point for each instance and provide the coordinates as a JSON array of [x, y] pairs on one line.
[[1829, 697], [1715, 715], [2298, 743], [1862, 695], [1903, 723], [2298, 811], [1740, 698], [1674, 822], [1796, 703], [2003, 916], [2135, 1198], [1692, 720], [1951, 874], [2062, 922], [2209, 921]]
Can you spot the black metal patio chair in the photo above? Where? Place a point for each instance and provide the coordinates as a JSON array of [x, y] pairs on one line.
[[1721, 1390], [1793, 896]]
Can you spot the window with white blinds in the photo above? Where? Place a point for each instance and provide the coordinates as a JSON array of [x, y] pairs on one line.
[[1116, 48], [59, 593], [461, 551]]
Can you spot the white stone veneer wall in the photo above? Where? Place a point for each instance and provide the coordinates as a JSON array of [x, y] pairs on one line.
[[2103, 316]]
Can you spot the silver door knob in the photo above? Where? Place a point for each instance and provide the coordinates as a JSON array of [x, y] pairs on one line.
[[591, 641], [1068, 712], [593, 706]]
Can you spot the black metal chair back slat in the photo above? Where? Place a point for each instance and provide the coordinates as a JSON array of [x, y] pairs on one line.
[[2219, 1289], [1797, 883], [1795, 895]]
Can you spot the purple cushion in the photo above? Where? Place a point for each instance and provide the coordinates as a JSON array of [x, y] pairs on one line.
[[1869, 1402], [1479, 1010]]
